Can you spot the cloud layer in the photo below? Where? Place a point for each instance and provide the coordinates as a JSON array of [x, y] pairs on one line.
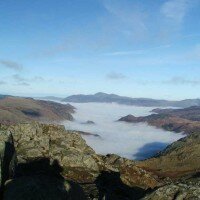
[[134, 141]]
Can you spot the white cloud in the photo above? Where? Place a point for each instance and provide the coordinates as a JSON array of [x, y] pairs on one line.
[[20, 80], [137, 52], [128, 16], [11, 65], [115, 76], [124, 53], [2, 82], [182, 81], [175, 10]]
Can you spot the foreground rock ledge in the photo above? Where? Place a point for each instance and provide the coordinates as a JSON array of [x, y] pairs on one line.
[[40, 161]]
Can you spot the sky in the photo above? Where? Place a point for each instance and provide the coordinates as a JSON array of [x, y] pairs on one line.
[[136, 48]]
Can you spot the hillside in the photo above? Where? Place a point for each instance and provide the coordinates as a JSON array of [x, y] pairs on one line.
[[16, 109], [109, 98], [185, 120], [179, 159]]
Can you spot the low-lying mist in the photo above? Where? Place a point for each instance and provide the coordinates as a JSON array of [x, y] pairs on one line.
[[134, 141]]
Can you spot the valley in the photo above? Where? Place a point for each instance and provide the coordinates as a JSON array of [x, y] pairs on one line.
[[133, 141], [96, 154]]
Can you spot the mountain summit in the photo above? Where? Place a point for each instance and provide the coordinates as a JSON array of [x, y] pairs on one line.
[[101, 97]]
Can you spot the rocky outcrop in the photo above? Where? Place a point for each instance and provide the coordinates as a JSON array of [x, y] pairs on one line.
[[180, 190], [7, 155], [40, 154], [41, 161], [34, 141], [16, 109], [87, 133], [130, 173], [89, 122]]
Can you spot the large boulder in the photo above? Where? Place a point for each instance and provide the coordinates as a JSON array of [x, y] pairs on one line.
[[130, 173], [33, 141], [7, 155]]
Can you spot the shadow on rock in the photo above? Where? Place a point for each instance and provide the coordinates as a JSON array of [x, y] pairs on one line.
[[111, 187], [8, 162], [41, 180]]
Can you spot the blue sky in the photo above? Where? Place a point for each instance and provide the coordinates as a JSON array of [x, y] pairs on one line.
[[137, 48]]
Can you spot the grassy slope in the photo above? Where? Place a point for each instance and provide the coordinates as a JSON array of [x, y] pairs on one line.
[[15, 109]]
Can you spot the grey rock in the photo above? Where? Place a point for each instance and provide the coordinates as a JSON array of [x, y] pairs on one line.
[[176, 191]]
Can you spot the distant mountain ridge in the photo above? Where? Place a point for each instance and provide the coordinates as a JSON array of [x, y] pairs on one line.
[[2, 96], [101, 97]]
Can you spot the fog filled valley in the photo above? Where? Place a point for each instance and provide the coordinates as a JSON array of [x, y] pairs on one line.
[[89, 151], [134, 141], [99, 100]]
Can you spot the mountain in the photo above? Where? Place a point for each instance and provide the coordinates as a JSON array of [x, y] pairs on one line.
[[180, 163], [186, 120], [178, 159], [109, 98], [18, 109], [44, 161], [2, 96]]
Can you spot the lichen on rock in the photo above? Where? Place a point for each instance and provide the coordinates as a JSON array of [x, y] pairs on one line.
[[45, 161]]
